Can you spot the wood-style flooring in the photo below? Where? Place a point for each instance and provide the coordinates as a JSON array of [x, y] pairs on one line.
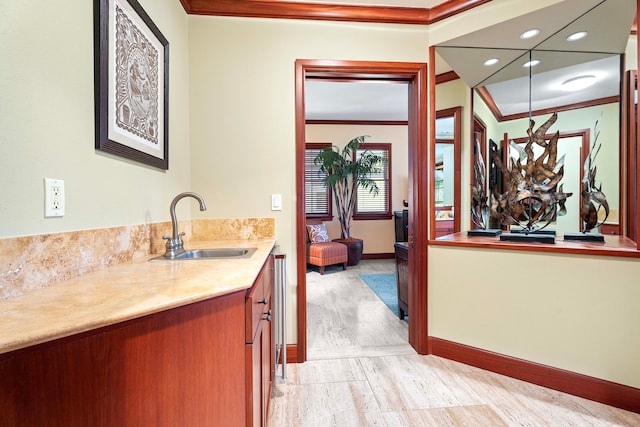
[[362, 372]]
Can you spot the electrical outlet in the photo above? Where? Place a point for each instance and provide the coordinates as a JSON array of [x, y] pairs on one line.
[[53, 198]]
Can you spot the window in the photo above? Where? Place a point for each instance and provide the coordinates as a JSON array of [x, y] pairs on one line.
[[317, 201], [370, 205]]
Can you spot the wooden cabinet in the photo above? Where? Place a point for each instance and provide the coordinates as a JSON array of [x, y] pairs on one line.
[[402, 277], [188, 366], [259, 351], [180, 367]]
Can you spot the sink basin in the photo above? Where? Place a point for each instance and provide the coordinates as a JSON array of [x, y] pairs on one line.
[[218, 253]]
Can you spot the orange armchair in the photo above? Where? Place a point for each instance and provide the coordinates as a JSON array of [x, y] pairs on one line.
[[322, 252]]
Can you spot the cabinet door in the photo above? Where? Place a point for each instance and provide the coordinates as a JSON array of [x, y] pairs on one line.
[[253, 360], [259, 359], [259, 380], [267, 367]]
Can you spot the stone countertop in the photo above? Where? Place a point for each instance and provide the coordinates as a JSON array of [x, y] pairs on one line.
[[125, 292]]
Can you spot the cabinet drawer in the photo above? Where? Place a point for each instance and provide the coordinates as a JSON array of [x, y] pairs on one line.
[[258, 304]]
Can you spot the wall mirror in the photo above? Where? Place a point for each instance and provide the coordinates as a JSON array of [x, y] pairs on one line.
[[446, 191], [524, 69]]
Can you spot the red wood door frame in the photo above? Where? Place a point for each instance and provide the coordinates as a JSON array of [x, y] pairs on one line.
[[415, 74]]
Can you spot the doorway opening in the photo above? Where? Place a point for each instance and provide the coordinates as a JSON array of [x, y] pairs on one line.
[[415, 75]]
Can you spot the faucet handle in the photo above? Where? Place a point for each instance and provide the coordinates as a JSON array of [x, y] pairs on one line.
[[171, 238]]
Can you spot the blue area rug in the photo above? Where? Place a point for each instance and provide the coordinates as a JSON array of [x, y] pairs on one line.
[[384, 286]]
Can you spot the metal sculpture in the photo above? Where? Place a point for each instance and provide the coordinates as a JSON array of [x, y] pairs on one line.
[[593, 199], [479, 208], [533, 196]]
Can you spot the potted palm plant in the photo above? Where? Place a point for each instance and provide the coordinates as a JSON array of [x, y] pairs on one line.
[[344, 172]]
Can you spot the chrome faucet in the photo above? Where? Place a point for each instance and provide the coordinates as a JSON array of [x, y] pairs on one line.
[[175, 245]]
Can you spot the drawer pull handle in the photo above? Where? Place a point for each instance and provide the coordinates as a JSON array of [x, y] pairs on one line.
[[268, 316], [264, 301]]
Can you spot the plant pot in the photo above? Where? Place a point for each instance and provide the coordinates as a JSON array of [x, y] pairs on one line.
[[354, 249]]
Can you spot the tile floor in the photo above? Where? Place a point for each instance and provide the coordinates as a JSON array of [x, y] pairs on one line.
[[362, 372]]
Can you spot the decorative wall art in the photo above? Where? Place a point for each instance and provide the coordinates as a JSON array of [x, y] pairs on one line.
[[533, 196], [131, 83]]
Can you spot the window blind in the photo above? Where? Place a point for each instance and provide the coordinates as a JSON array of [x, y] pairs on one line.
[[369, 203], [317, 197]]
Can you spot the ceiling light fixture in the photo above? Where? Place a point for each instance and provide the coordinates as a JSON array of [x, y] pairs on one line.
[[578, 83], [577, 36], [531, 63], [490, 62], [530, 34]]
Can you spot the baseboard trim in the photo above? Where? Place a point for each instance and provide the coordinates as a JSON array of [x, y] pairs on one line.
[[378, 256], [598, 390], [292, 353]]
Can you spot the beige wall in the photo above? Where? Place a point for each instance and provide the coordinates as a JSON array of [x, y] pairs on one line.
[[47, 122], [379, 235], [581, 314]]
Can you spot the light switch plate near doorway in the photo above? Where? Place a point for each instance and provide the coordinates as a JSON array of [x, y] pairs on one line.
[[276, 202]]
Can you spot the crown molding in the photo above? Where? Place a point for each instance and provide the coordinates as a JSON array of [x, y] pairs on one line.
[[328, 12], [497, 114]]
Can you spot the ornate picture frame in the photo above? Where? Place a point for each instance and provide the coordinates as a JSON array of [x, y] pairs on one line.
[[131, 83]]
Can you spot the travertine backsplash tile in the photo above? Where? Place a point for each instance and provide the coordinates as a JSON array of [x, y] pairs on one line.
[[228, 229], [34, 262]]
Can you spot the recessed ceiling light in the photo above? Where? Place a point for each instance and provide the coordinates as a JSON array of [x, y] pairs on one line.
[[530, 33], [531, 63], [490, 62], [577, 36], [578, 83]]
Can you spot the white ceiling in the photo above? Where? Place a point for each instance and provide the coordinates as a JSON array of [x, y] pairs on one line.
[[607, 21], [326, 100]]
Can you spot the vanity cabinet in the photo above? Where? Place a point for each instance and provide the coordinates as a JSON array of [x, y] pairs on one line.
[[192, 365]]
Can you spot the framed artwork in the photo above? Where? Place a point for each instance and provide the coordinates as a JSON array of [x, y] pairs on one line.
[[131, 83]]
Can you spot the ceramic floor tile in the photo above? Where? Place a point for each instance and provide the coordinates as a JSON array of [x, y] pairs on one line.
[[348, 319], [369, 311], [328, 371], [338, 404], [462, 416], [415, 382], [524, 404]]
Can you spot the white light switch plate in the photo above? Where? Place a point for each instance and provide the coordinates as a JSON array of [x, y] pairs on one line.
[[53, 198], [276, 202]]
